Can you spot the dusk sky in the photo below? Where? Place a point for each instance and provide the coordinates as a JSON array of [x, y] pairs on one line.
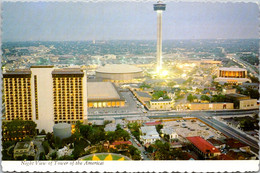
[[49, 21]]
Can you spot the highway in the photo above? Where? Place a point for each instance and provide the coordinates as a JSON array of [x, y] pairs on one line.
[[172, 114], [230, 132]]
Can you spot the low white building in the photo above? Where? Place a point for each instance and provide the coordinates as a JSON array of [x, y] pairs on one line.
[[149, 135], [139, 120], [167, 130], [65, 151], [111, 127]]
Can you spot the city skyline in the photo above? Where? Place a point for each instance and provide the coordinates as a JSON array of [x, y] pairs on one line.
[[127, 21]]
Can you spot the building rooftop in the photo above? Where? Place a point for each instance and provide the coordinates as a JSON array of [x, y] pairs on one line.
[[111, 127], [168, 130], [164, 100], [101, 91], [68, 71], [235, 95], [18, 72], [138, 118], [149, 131], [143, 94], [214, 141], [233, 143], [61, 125], [22, 145], [232, 69], [42, 66], [203, 145], [119, 68], [153, 123], [122, 142]]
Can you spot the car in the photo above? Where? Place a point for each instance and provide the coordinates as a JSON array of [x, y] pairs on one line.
[[139, 145]]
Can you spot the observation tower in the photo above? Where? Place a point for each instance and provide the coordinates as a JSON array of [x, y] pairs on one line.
[[159, 7]]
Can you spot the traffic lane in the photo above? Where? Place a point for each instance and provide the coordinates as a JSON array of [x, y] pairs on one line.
[[237, 132]]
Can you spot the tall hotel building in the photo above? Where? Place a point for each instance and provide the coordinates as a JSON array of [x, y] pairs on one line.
[[46, 95]]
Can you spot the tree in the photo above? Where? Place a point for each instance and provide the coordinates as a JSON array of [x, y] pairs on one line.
[[122, 134], [205, 98], [158, 128], [190, 98], [134, 152], [7, 144], [18, 129], [162, 150], [158, 94], [42, 156], [150, 149], [57, 142], [42, 132], [53, 155], [118, 127], [107, 122], [145, 85], [27, 138], [46, 146]]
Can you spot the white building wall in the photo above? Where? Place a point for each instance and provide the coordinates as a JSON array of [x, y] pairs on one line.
[[45, 98]]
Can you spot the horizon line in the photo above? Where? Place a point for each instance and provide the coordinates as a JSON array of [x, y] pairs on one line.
[[134, 40]]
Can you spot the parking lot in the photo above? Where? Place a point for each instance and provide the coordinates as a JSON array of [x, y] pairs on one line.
[[186, 128], [130, 106]]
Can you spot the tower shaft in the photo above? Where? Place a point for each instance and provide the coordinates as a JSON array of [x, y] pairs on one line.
[[159, 41]]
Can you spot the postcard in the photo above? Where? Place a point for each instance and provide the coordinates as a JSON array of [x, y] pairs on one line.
[[131, 86]]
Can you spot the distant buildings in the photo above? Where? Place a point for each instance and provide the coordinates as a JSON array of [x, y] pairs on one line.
[[232, 75], [46, 95]]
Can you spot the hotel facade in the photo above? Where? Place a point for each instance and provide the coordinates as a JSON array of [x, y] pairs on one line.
[[46, 96]]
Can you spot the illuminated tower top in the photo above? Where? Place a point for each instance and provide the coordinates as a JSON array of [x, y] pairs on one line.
[[159, 6]]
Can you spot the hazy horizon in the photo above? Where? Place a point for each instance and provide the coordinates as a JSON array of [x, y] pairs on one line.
[[105, 21]]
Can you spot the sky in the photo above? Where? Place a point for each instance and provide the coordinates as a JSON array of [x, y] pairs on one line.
[[79, 21]]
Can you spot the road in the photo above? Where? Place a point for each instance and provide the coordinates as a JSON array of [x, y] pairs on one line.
[[244, 64], [141, 149], [172, 114]]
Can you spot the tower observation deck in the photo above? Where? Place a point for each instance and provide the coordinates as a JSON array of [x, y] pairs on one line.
[[159, 7]]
